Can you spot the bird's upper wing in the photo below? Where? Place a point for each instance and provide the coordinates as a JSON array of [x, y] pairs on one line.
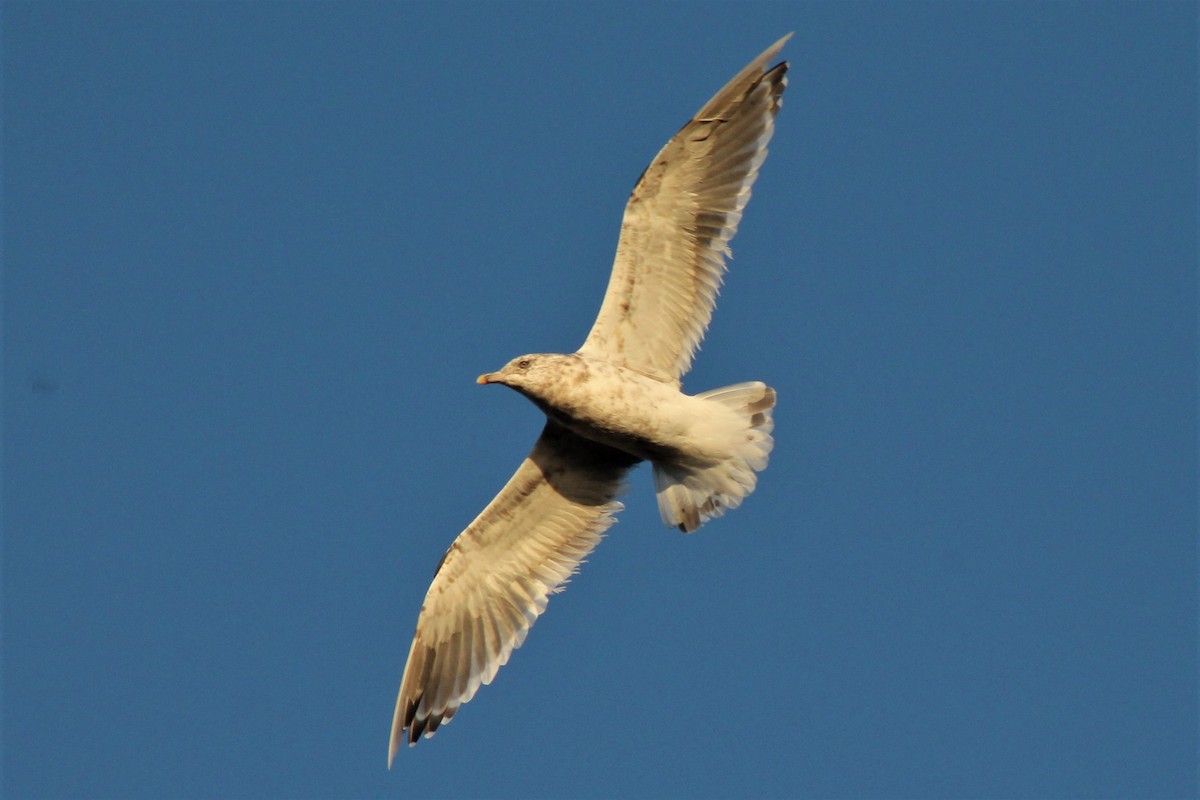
[[496, 577], [678, 222]]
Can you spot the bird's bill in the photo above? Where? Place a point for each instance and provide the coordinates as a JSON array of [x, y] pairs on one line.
[[487, 377]]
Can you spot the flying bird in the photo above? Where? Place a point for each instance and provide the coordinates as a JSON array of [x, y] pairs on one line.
[[611, 404]]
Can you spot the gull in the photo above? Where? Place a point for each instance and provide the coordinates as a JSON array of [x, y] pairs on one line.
[[610, 405]]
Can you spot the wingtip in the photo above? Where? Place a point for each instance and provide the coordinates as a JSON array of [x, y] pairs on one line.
[[774, 49], [394, 747], [397, 735], [397, 739]]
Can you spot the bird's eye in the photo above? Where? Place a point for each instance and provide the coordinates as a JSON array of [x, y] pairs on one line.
[[523, 363]]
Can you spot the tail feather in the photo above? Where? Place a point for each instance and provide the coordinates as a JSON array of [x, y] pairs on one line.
[[690, 494]]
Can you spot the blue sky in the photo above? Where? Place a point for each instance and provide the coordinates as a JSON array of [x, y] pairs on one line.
[[256, 254]]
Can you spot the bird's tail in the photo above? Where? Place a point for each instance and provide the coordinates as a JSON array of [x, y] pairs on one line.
[[690, 494]]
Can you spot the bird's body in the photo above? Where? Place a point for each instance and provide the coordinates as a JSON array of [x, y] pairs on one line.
[[612, 405], [615, 402]]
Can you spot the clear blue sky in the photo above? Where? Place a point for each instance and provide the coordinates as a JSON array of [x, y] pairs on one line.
[[256, 254]]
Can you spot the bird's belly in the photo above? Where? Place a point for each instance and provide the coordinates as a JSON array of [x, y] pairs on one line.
[[640, 416], [627, 439]]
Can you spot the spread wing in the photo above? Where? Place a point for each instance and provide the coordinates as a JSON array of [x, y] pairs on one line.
[[496, 577], [678, 223]]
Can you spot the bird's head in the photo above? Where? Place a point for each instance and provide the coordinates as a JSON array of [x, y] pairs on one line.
[[533, 375], [518, 373]]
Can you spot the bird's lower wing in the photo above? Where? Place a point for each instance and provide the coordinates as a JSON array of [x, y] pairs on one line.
[[498, 574], [677, 226]]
